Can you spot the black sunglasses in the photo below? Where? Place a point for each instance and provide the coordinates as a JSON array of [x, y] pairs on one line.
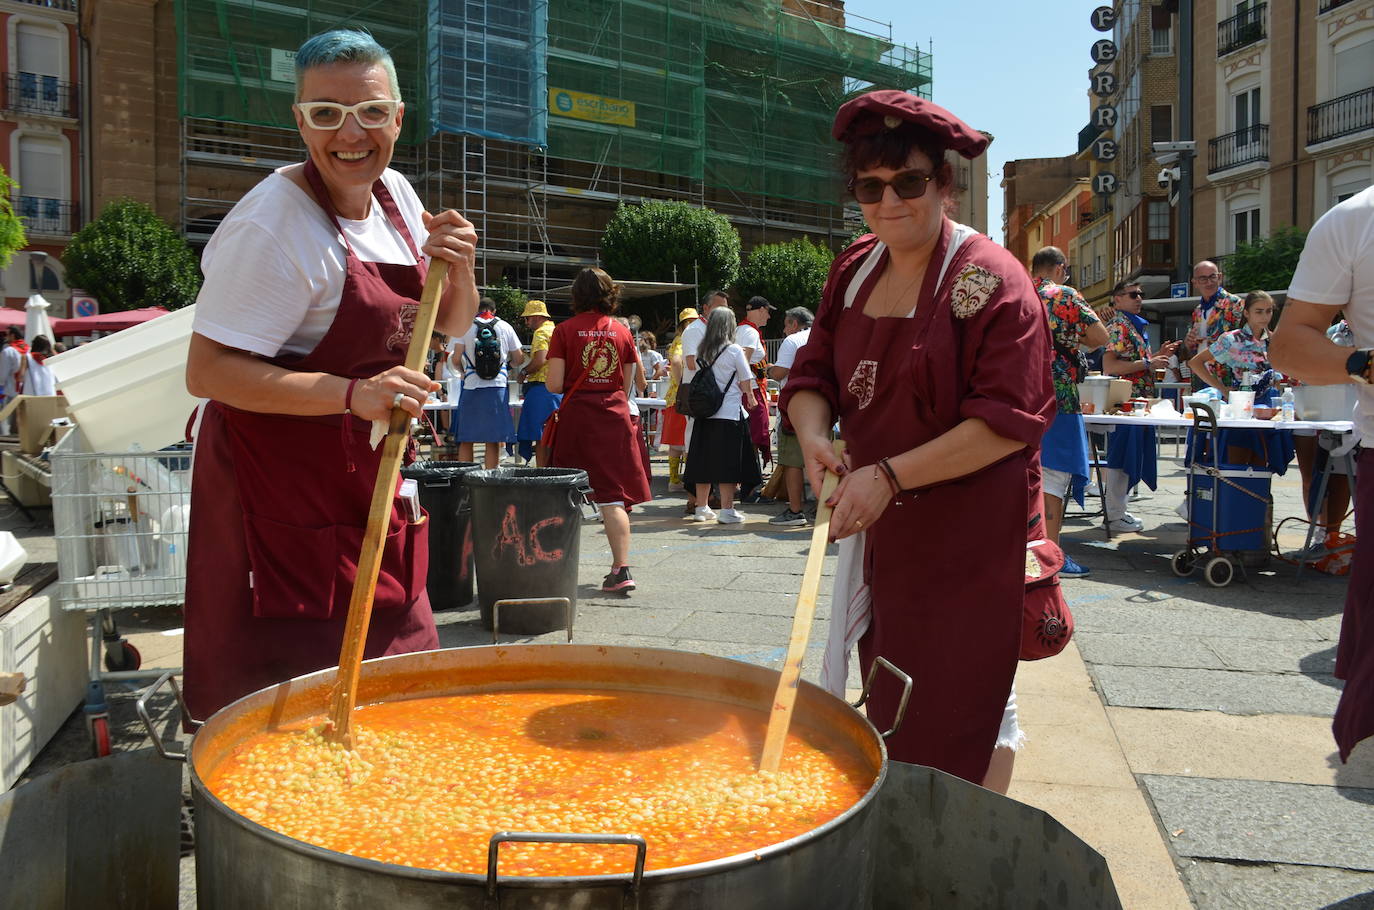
[[1135, 294], [908, 185]]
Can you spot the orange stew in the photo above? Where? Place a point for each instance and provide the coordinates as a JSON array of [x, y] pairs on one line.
[[432, 779]]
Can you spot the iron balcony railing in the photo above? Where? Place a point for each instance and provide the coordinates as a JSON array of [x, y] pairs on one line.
[[34, 93], [1241, 30], [1241, 147], [42, 215], [1341, 116], [1328, 5], [69, 6]]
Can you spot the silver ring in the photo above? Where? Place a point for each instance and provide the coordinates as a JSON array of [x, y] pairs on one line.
[[396, 402]]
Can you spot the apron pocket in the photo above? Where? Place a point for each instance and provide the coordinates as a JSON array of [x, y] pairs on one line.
[[293, 569], [401, 576]]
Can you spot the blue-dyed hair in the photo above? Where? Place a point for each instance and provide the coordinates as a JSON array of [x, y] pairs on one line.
[[344, 45]]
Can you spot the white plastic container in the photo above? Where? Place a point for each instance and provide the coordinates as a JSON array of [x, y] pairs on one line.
[[128, 390], [1242, 404], [1325, 402]]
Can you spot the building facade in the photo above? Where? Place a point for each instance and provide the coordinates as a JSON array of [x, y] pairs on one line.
[[1029, 187], [1284, 115], [41, 142]]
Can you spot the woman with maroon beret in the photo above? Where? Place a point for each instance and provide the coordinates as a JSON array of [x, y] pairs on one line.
[[933, 352]]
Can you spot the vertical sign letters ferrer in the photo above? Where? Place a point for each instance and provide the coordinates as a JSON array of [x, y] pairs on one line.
[[1103, 18], [1103, 51], [1104, 184]]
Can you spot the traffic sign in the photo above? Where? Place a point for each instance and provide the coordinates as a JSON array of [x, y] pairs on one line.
[[1178, 290]]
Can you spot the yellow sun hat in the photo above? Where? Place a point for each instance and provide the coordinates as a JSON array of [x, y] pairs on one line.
[[687, 314], [535, 308]]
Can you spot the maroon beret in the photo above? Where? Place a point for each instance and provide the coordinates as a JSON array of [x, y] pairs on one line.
[[875, 111]]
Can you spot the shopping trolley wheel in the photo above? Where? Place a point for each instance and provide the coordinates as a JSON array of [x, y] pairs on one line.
[[123, 657], [1218, 572], [100, 736], [1183, 562]]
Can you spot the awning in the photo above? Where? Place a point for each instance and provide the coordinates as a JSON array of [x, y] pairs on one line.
[[105, 322]]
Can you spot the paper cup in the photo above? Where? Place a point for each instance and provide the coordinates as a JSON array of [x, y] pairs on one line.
[[1242, 404]]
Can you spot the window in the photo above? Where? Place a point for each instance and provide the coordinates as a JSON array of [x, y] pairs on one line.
[[1159, 219], [42, 162], [1161, 123], [1245, 108], [1161, 31], [1245, 227], [1353, 67], [40, 50], [1343, 187]]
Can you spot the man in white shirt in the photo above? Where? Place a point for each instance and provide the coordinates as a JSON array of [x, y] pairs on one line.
[[11, 363], [486, 352], [796, 326], [1336, 272]]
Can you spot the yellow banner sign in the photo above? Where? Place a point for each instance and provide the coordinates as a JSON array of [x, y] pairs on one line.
[[596, 108]]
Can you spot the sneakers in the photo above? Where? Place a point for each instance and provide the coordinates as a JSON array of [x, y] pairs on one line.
[[703, 513], [618, 581], [1072, 569], [1126, 524], [788, 519], [1090, 489], [729, 517]]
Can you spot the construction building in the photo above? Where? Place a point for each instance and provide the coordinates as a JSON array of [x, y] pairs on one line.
[[535, 118], [40, 142], [1284, 115]]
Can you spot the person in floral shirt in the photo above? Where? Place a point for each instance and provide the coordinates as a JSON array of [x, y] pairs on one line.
[[1224, 363], [1218, 311], [1064, 447]]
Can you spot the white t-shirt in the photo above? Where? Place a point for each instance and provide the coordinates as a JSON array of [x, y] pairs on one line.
[[510, 342], [274, 269], [691, 341], [1337, 269], [787, 351], [38, 379], [730, 369], [651, 359], [746, 336], [10, 362]]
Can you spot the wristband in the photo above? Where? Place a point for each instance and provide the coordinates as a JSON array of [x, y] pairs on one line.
[[891, 475], [348, 397]]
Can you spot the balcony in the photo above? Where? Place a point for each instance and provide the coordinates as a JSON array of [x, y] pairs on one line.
[[33, 93], [1245, 146], [67, 6], [1241, 30], [1327, 6], [1343, 116], [46, 217]]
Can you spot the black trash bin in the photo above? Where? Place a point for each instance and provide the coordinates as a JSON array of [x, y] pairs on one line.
[[526, 524], [445, 497]]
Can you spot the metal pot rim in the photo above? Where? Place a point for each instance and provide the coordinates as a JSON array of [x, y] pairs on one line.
[[719, 864]]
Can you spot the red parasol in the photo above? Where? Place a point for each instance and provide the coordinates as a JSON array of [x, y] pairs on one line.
[[104, 322]]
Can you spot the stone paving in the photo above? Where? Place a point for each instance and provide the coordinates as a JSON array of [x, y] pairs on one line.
[[1185, 734]]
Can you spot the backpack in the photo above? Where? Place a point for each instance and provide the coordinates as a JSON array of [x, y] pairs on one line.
[[488, 358], [704, 394]]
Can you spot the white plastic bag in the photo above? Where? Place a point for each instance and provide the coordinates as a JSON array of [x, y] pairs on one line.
[[12, 557]]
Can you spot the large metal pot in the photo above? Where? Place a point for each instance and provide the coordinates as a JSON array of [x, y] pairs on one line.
[[242, 865]]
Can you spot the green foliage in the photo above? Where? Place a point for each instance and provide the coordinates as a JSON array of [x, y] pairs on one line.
[[510, 302], [863, 229], [1266, 263], [11, 228], [671, 241], [130, 258], [788, 274]]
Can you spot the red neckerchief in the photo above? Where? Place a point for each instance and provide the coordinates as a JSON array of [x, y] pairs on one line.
[[20, 346], [38, 358]]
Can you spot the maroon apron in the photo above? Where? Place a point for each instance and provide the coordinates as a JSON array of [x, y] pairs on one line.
[[1354, 718], [946, 568], [280, 503]]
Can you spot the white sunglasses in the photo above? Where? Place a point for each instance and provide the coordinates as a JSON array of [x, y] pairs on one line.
[[327, 115]]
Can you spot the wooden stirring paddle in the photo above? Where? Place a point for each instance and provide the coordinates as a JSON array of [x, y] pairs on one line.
[[344, 695], [780, 719]]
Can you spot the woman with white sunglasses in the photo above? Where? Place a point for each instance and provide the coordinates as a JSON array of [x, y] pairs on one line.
[[311, 289]]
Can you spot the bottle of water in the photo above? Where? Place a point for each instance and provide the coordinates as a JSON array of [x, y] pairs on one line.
[[1287, 404]]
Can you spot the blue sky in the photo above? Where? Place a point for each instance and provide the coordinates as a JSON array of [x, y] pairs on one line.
[[1014, 68]]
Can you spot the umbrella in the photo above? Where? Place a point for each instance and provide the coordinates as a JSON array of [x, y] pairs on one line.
[[36, 320], [10, 316], [106, 322]]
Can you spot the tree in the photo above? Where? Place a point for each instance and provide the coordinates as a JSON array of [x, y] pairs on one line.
[[11, 228], [130, 258], [510, 301], [1266, 263], [788, 274], [670, 241]]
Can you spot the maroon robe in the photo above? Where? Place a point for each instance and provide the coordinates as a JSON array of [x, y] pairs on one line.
[[280, 502], [945, 567]]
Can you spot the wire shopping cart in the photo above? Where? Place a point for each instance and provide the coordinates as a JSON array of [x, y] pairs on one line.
[[120, 521]]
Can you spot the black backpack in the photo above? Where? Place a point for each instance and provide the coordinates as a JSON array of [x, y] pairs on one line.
[[487, 356], [704, 394]]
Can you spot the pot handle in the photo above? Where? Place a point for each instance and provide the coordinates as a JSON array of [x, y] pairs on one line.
[[528, 602], [906, 690], [636, 878], [142, 706]]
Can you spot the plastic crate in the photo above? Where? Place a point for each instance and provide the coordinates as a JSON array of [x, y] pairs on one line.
[[1242, 514], [120, 521]]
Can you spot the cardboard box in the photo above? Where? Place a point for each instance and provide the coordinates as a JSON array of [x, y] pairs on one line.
[[33, 416]]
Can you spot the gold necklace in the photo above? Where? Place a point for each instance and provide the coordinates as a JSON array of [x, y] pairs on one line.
[[887, 276]]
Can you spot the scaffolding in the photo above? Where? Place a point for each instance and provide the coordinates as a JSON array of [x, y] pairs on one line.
[[535, 118]]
